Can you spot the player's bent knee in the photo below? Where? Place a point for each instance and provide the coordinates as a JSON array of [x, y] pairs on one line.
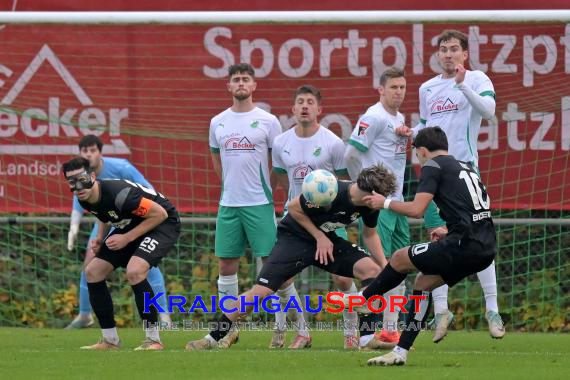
[[94, 273], [366, 268], [400, 261], [228, 267], [135, 275]]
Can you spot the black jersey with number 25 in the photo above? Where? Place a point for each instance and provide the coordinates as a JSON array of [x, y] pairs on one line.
[[460, 195], [124, 203]]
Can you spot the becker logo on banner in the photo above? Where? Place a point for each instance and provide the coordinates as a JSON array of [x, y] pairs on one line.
[[52, 120]]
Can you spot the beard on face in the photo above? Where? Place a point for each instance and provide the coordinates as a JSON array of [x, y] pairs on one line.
[[242, 95]]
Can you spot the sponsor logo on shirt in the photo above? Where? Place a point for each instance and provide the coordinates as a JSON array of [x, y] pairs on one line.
[[331, 226], [122, 223], [317, 151], [301, 172], [443, 105], [236, 144], [255, 124]]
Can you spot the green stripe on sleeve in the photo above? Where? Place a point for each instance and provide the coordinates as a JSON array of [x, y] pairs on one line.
[[423, 121], [214, 150], [279, 170], [358, 145], [488, 93]]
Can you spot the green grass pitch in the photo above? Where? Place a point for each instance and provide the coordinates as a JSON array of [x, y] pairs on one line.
[[55, 354]]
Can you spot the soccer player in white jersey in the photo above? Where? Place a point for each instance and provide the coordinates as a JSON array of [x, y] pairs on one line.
[[241, 138], [374, 141], [457, 101], [306, 147]]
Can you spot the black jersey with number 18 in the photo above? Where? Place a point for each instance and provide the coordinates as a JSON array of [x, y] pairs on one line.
[[461, 197]]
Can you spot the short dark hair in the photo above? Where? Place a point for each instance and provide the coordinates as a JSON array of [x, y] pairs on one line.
[[431, 138], [90, 140], [390, 73], [240, 68], [377, 178], [76, 163], [448, 34], [308, 89]]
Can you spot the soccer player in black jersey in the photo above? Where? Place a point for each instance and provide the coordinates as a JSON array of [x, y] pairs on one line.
[[467, 248], [306, 236], [146, 226]]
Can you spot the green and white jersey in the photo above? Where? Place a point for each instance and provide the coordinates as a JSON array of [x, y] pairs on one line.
[[445, 106], [375, 138], [298, 156], [244, 140]]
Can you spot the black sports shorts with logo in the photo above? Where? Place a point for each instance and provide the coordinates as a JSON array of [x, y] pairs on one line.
[[291, 254], [152, 246], [452, 258]]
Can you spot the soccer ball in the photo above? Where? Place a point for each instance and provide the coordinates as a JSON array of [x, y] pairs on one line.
[[320, 187]]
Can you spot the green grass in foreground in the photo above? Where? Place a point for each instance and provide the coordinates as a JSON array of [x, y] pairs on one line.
[[55, 354]]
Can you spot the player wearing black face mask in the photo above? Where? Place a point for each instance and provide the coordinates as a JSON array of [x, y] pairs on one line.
[[146, 225], [81, 181]]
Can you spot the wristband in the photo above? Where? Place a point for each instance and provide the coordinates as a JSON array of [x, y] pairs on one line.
[[387, 204]]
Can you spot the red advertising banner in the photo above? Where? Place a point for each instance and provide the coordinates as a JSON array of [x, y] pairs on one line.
[[150, 91]]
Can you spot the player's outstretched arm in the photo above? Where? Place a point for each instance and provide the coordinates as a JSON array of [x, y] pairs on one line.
[[324, 245], [414, 209]]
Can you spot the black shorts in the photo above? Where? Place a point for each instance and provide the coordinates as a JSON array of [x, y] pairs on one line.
[[451, 258], [152, 246], [291, 254]]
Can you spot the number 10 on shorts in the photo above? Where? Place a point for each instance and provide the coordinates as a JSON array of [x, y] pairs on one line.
[[419, 248]]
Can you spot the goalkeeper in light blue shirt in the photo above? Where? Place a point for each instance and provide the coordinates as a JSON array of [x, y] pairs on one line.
[[90, 147]]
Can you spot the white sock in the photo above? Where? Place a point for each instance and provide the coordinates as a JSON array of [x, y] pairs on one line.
[[350, 319], [111, 335], [488, 279], [227, 286], [209, 337], [390, 319], [363, 341], [152, 333], [298, 317], [401, 351], [280, 316], [440, 299]]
